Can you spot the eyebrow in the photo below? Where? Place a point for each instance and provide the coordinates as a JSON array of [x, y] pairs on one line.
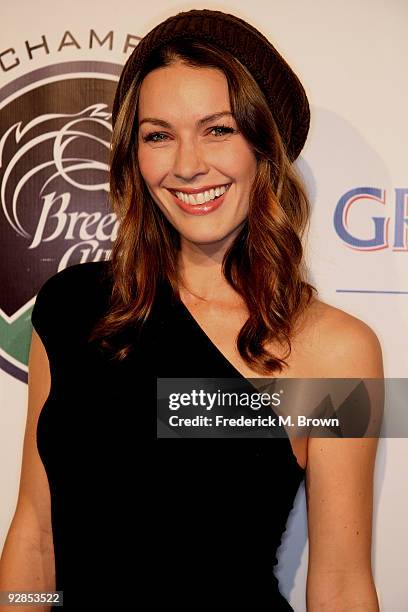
[[199, 123]]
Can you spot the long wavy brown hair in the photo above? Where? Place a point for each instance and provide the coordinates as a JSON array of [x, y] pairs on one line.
[[264, 264]]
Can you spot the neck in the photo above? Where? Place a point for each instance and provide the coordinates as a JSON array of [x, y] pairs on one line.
[[200, 269]]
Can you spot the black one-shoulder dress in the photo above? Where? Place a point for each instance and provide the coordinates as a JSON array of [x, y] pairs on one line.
[[140, 521]]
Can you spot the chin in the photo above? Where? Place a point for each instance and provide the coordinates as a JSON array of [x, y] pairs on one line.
[[201, 238], [206, 237]]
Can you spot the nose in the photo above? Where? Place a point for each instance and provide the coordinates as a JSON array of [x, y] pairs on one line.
[[189, 161]]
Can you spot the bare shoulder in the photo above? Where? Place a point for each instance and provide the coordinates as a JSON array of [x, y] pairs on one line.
[[342, 344]]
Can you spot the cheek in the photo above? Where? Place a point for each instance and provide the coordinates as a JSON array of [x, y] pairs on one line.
[[241, 162], [150, 166], [142, 161]]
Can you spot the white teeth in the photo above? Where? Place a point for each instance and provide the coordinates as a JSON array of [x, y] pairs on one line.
[[204, 196]]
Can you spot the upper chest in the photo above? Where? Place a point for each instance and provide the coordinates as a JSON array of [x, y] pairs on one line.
[[221, 325]]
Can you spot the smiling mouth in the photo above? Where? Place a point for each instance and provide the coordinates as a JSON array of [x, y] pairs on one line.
[[202, 197]]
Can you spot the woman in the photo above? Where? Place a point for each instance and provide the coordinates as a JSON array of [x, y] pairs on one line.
[[206, 280]]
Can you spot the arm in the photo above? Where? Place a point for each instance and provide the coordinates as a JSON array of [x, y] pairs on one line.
[[27, 561], [339, 490]]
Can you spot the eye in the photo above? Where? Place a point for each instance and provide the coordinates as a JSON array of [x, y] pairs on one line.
[[152, 137], [224, 129], [221, 130]]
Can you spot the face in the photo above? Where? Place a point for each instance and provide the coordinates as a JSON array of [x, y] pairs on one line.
[[182, 149]]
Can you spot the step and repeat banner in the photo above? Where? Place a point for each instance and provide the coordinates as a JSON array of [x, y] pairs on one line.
[[59, 65]]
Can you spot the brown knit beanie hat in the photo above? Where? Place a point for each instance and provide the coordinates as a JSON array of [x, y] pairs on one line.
[[283, 90]]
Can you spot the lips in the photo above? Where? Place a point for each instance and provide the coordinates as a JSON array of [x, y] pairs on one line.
[[199, 209], [193, 191]]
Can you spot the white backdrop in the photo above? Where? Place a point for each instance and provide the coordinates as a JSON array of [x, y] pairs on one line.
[[352, 60]]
